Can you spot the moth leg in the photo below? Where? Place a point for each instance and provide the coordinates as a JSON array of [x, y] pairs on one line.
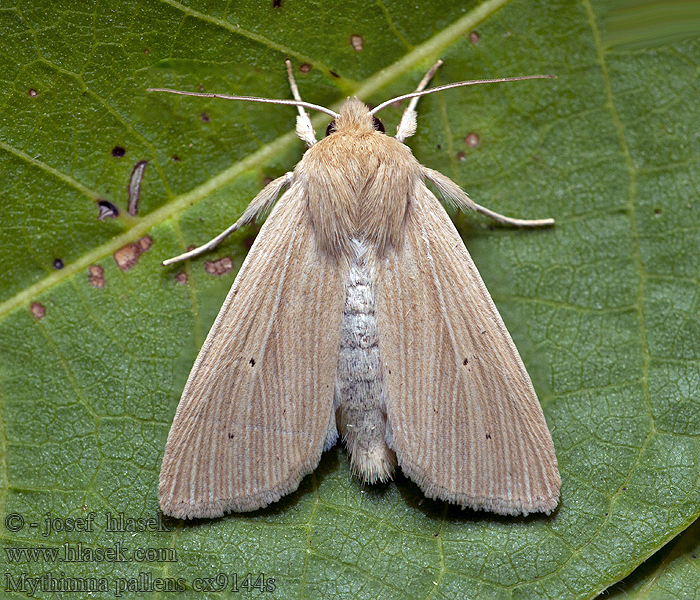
[[407, 125], [263, 201], [305, 129], [455, 195], [510, 220]]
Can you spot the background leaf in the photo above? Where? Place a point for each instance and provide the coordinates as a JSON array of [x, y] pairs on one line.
[[670, 573], [603, 307]]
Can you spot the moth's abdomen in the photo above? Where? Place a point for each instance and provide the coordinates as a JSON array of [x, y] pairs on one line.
[[360, 394]]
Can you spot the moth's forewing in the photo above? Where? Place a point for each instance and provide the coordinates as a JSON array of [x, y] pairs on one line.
[[463, 416], [258, 405]]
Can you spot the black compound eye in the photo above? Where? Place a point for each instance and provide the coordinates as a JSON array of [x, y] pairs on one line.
[[378, 125]]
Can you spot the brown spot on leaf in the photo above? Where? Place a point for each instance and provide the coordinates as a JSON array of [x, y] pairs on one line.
[[106, 210], [205, 118], [32, 93], [305, 67], [219, 267], [357, 42], [276, 3], [127, 256], [57, 264], [472, 140], [176, 158], [181, 278], [118, 151], [37, 310], [334, 74], [474, 37], [461, 156], [97, 276], [135, 187]]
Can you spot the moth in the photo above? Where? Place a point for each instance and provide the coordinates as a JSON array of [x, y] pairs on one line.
[[358, 313]]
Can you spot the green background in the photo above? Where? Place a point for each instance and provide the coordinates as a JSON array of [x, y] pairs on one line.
[[603, 307]]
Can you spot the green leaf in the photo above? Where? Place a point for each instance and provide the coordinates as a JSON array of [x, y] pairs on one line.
[[603, 307], [672, 573]]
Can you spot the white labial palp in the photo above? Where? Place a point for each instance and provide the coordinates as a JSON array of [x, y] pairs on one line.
[[360, 395]]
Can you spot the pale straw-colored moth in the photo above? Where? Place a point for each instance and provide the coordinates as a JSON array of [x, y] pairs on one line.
[[358, 312]]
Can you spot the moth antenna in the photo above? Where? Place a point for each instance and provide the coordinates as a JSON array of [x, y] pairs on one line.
[[305, 129], [440, 88], [308, 105], [407, 125]]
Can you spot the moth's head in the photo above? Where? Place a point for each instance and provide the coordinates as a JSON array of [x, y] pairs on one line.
[[354, 118]]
